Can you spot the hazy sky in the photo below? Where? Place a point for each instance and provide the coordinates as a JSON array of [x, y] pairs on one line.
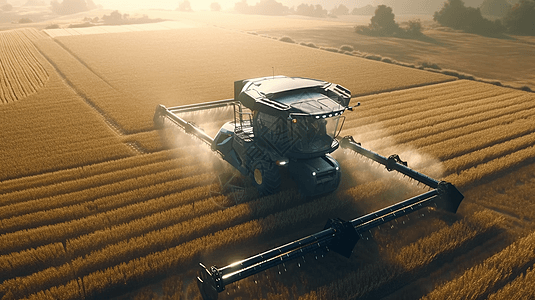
[[226, 4]]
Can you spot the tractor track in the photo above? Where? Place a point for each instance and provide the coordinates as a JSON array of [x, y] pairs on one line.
[[136, 148]]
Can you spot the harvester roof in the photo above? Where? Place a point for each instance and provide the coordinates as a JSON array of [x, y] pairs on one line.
[[281, 95]]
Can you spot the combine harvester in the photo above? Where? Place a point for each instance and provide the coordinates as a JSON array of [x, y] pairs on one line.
[[294, 123]]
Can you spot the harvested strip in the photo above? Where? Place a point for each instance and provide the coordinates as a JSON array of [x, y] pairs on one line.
[[21, 72]]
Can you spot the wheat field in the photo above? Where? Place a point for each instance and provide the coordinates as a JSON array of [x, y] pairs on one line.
[[95, 202]]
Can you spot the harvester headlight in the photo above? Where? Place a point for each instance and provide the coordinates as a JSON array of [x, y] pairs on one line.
[[324, 116], [282, 162], [337, 168], [330, 115], [317, 117], [313, 173]]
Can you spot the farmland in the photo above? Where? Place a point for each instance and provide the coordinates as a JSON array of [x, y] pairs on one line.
[[95, 202]]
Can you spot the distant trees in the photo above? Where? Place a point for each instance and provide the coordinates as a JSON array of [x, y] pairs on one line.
[[264, 7], [340, 10], [383, 24], [215, 6], [184, 6], [114, 18], [520, 18], [456, 15], [311, 10], [25, 21], [7, 7], [365, 10], [35, 3], [68, 7]]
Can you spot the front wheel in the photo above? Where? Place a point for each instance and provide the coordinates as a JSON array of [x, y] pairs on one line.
[[266, 177]]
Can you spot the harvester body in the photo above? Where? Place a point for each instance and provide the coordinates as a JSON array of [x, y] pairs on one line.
[[294, 122], [278, 121]]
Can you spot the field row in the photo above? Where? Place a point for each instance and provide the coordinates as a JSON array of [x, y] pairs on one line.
[[21, 72], [79, 191], [124, 207], [69, 180], [87, 203], [406, 127], [422, 101], [480, 280], [510, 194]]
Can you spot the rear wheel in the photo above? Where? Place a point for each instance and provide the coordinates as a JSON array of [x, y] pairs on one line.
[[266, 177]]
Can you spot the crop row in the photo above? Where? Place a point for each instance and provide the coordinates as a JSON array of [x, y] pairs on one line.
[[493, 168], [510, 194], [146, 217], [142, 168], [21, 71], [99, 186], [127, 210], [520, 288], [480, 156], [33, 184], [410, 262], [521, 123], [381, 100], [498, 269], [425, 108], [442, 119], [84, 203]]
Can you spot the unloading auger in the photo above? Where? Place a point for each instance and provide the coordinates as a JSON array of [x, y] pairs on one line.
[[294, 123]]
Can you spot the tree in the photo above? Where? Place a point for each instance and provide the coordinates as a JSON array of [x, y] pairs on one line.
[[366, 10], [215, 6], [498, 8], [7, 7], [184, 6], [451, 14], [311, 10], [383, 21], [270, 7], [340, 10], [414, 28], [242, 7], [115, 17], [520, 18], [264, 7], [455, 15], [68, 7]]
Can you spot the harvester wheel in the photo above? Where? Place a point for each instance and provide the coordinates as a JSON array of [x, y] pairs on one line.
[[266, 177]]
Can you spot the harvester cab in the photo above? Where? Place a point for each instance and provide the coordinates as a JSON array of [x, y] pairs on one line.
[[294, 122]]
